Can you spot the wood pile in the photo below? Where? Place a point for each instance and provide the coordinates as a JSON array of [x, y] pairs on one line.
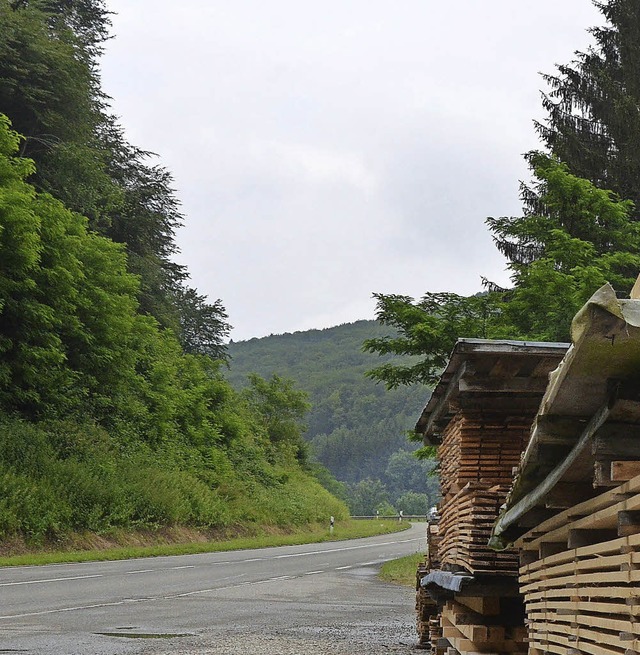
[[427, 624], [477, 625], [479, 447], [465, 526], [477, 456], [581, 577]]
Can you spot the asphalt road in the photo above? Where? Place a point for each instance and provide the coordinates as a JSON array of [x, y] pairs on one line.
[[320, 598]]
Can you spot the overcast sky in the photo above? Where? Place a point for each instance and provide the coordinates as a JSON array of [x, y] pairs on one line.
[[327, 150]]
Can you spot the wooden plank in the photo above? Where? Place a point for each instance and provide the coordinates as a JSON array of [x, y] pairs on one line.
[[616, 440], [628, 595], [584, 579], [485, 605], [579, 607], [503, 385], [628, 523], [621, 471], [478, 633], [583, 646], [586, 508]]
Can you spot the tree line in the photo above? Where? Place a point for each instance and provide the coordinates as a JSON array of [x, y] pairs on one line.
[[114, 411]]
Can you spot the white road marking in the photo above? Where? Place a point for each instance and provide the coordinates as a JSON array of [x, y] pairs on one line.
[[76, 577], [141, 571], [313, 572]]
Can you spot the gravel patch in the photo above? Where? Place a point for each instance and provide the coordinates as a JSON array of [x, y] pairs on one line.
[[284, 644]]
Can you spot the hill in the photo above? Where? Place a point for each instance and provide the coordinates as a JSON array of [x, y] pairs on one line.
[[356, 428]]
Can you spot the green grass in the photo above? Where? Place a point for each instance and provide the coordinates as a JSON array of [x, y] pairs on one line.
[[343, 530], [401, 571]]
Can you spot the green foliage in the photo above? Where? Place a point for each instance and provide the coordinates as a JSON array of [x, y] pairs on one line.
[[367, 496], [354, 426], [414, 504], [427, 329], [593, 122], [163, 438], [406, 473], [50, 89], [572, 238], [203, 325], [279, 409]]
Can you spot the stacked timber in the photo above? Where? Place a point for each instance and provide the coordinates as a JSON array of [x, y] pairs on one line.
[[478, 625], [428, 625], [581, 577], [477, 456], [467, 520], [433, 545], [480, 447], [479, 415]]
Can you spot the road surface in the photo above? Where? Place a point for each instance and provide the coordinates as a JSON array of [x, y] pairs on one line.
[[319, 598]]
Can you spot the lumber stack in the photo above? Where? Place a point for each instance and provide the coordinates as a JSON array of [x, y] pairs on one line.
[[477, 447], [480, 628], [477, 456], [433, 545], [581, 577], [465, 528]]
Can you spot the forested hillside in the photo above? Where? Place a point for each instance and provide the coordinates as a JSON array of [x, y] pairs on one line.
[[113, 411], [356, 428]]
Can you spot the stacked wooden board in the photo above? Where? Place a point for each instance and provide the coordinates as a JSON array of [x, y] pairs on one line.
[[581, 577], [481, 447], [427, 623], [477, 456], [467, 520], [479, 415], [477, 625]]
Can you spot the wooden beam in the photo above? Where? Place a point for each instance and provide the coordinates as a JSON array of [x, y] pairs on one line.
[[558, 429], [485, 605], [609, 473], [617, 440], [628, 523], [443, 403], [503, 385], [621, 471]]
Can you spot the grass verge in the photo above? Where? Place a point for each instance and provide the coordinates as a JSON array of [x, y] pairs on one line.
[[310, 534], [401, 571]]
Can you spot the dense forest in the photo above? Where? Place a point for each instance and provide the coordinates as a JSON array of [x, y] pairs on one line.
[[355, 428], [114, 412]]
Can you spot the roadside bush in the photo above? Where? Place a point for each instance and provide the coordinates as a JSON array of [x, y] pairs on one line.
[[30, 509]]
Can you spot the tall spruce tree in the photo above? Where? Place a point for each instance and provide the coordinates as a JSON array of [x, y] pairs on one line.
[[593, 105]]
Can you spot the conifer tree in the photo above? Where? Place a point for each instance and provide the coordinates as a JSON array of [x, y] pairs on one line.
[[593, 105]]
